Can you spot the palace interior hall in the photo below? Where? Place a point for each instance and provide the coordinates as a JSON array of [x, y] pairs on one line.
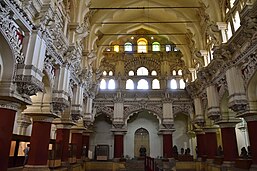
[[128, 85]]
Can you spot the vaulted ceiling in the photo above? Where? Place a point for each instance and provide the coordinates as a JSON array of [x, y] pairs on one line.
[[183, 22]]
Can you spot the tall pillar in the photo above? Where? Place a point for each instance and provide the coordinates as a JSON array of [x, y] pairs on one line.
[[252, 125], [237, 96], [39, 144], [76, 139], [213, 102], [229, 142], [167, 145], [85, 142], [118, 145], [199, 117], [211, 143], [223, 27], [62, 138], [7, 116], [200, 138]]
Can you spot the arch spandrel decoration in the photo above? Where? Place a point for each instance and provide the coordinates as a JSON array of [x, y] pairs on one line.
[[106, 110], [150, 63], [9, 31], [156, 111], [186, 109]]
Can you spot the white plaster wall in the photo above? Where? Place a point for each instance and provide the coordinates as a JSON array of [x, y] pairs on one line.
[[180, 137], [102, 136], [151, 124]]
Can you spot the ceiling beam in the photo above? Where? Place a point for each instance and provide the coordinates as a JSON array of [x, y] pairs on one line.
[[147, 34], [136, 45], [140, 8], [145, 22]]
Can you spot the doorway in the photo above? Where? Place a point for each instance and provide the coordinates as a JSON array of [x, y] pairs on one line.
[[141, 139]]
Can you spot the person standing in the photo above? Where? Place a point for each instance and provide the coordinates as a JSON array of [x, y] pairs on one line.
[[26, 154]]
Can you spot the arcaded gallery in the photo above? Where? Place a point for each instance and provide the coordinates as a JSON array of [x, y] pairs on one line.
[[128, 85]]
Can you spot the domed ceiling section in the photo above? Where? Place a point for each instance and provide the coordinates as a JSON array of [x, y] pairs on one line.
[[183, 22]]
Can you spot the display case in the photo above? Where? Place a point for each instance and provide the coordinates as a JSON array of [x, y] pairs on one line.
[[72, 153], [102, 152], [54, 155]]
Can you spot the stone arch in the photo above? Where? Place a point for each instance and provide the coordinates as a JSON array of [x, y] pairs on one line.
[[41, 102], [185, 109], [104, 110], [7, 60], [149, 63], [9, 30], [132, 110], [251, 91]]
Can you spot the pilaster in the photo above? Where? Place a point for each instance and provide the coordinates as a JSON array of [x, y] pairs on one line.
[[199, 117], [237, 96], [213, 102]]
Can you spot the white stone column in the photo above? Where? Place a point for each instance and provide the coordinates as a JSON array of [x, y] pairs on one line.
[[237, 95], [223, 27], [204, 53], [199, 117], [213, 102], [118, 121], [168, 119]]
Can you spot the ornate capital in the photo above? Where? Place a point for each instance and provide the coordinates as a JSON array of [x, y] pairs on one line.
[[59, 104], [213, 113], [9, 105]]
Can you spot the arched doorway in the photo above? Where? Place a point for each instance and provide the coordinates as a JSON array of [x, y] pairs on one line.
[[141, 140]]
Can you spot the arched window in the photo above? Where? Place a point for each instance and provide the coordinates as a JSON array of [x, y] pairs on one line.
[[154, 73], [156, 46], [168, 48], [156, 84], [180, 72], [142, 45], [174, 72], [116, 48], [131, 73], [173, 84], [110, 73], [128, 47], [104, 73], [232, 3], [103, 84], [182, 84], [142, 71], [130, 84], [229, 31], [236, 21], [176, 49], [142, 84], [111, 84]]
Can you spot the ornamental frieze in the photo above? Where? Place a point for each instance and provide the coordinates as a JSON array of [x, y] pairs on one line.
[[106, 110], [142, 106], [10, 31]]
